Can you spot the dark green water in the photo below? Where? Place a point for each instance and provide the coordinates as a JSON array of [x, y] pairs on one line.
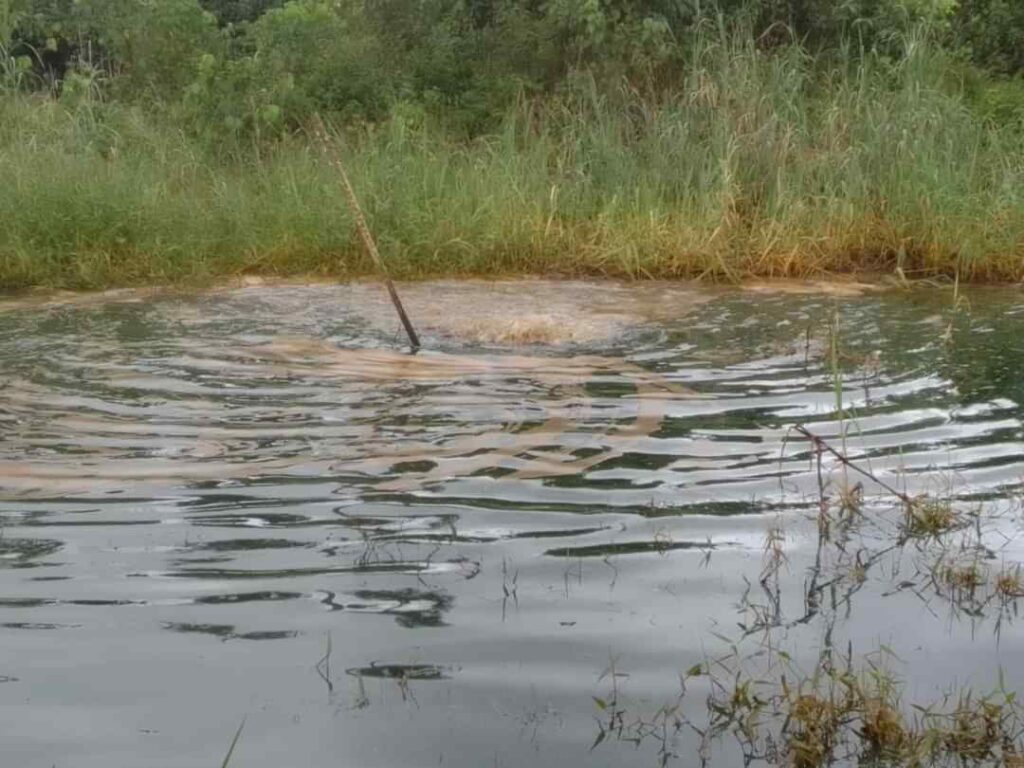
[[249, 505]]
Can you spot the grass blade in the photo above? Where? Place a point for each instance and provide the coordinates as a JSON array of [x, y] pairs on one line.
[[234, 741]]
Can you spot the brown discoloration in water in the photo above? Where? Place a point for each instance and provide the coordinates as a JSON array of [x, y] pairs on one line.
[[127, 449], [838, 288], [499, 449], [101, 440]]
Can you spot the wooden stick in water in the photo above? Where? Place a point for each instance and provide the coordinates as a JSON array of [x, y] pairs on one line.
[[364, 231]]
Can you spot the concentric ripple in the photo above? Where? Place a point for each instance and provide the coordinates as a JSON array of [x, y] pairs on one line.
[[262, 464]]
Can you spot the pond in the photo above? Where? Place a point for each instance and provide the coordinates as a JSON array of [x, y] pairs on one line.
[[563, 534]]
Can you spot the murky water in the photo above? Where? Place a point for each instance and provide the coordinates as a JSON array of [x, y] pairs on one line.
[[251, 504]]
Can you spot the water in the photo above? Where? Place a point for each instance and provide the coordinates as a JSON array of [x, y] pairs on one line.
[[250, 504]]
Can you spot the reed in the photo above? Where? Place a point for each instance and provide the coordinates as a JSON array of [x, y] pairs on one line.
[[754, 163]]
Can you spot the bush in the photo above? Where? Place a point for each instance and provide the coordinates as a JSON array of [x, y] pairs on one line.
[[151, 45], [992, 32], [156, 43], [307, 56], [239, 11]]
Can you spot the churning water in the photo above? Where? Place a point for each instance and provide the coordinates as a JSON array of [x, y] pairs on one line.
[[252, 504]]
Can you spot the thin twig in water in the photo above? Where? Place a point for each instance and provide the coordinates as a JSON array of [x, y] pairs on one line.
[[820, 444], [323, 667], [509, 588], [234, 741]]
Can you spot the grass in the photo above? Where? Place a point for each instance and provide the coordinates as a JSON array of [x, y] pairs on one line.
[[800, 710], [842, 715], [930, 517], [755, 164], [963, 579], [1009, 583], [234, 743]]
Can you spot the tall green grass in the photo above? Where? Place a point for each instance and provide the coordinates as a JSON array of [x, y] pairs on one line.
[[753, 163]]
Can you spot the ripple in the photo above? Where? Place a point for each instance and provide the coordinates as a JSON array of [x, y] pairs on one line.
[[631, 548], [23, 553], [227, 631], [530, 494], [410, 607], [401, 671]]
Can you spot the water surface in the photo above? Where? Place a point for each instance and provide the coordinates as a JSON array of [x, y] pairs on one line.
[[252, 504]]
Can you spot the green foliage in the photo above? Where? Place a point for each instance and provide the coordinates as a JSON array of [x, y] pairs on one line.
[[8, 17], [655, 137], [462, 61], [992, 32], [307, 56], [872, 25], [1000, 101], [36, 35], [150, 45], [758, 162], [239, 11], [37, 19], [467, 62], [322, 55], [156, 43]]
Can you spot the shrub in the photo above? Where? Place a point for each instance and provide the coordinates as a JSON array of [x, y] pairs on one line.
[[307, 56], [992, 32]]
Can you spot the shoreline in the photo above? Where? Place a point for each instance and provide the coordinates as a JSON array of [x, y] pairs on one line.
[[841, 286], [351, 269], [835, 285]]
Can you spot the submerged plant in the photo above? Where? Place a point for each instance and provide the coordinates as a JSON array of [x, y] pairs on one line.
[[931, 518], [842, 711]]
